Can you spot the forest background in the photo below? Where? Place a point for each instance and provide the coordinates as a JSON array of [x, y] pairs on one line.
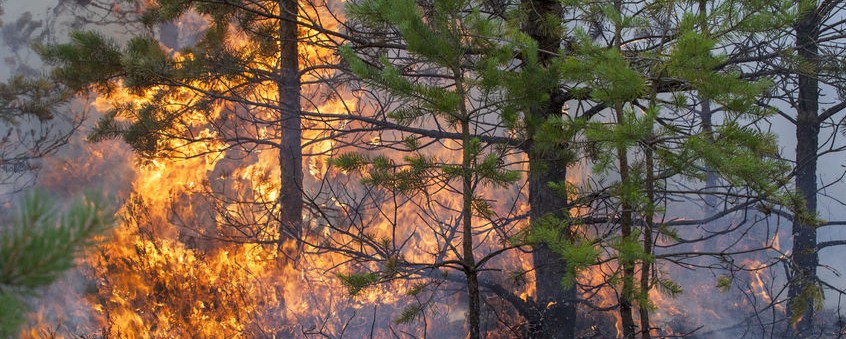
[[680, 152]]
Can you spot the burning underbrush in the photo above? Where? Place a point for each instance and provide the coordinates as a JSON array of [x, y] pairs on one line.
[[175, 267], [200, 249]]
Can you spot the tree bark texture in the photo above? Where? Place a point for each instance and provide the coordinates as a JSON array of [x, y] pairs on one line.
[[556, 311], [805, 258], [290, 151]]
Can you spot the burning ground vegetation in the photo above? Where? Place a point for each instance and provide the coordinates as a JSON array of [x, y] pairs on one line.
[[165, 272], [432, 169], [159, 274]]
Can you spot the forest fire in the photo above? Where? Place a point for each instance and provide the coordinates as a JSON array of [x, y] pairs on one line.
[[443, 169]]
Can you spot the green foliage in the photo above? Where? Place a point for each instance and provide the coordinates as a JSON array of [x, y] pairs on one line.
[[88, 59], [409, 313], [91, 61], [685, 68], [611, 78], [232, 61], [356, 282], [383, 171], [21, 97], [145, 63], [564, 189], [491, 171], [810, 296], [629, 249], [455, 76], [795, 201], [427, 98], [724, 283], [624, 134], [647, 92], [350, 161], [743, 156], [165, 11], [552, 138], [578, 253], [39, 246], [12, 314], [152, 125], [668, 287], [417, 288]]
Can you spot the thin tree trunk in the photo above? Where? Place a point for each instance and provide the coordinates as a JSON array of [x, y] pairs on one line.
[[556, 314], [473, 299], [290, 151], [646, 266], [706, 114], [805, 256], [626, 231], [626, 314]]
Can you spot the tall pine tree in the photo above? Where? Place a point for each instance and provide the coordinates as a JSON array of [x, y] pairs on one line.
[[637, 74], [454, 78]]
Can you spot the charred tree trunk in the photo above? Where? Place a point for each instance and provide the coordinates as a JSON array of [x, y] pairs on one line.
[[290, 151], [805, 258], [556, 316]]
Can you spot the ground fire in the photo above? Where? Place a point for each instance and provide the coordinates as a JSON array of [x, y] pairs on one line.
[[428, 169]]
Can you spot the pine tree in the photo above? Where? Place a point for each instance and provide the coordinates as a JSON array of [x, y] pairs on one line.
[[240, 81], [452, 79], [802, 58], [638, 67], [232, 99], [812, 74], [633, 96], [38, 246], [543, 23]]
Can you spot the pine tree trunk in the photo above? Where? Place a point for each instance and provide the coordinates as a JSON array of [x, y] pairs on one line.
[[473, 298], [290, 151], [805, 256], [626, 308], [556, 316], [290, 198], [706, 114], [556, 304], [646, 266], [626, 314]]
